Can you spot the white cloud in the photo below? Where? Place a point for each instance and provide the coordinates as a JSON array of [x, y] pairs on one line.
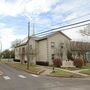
[[11, 9], [33, 8], [40, 6], [21, 7], [27, 7], [2, 25], [71, 16], [74, 8], [74, 33], [7, 36]]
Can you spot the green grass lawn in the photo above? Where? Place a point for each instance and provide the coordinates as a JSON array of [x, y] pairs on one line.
[[32, 69], [87, 66], [67, 68], [61, 73], [71, 68], [86, 72]]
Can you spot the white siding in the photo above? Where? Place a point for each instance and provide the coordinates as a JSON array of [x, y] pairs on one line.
[[17, 56], [58, 38], [33, 50], [42, 51], [19, 53]]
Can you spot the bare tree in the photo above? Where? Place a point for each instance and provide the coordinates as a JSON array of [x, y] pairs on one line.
[[85, 31], [15, 43], [6, 53]]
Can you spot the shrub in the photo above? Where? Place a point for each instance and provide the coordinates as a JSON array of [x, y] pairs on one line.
[[42, 63], [78, 63], [69, 56], [57, 62]]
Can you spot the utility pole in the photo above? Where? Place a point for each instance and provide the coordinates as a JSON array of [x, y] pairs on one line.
[[28, 56], [33, 31], [0, 50]]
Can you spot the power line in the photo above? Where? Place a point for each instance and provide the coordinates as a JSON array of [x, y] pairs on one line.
[[66, 29], [83, 5], [63, 26], [51, 30], [69, 20], [73, 18]]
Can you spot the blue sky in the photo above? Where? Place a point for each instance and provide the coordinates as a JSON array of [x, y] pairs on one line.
[[45, 14]]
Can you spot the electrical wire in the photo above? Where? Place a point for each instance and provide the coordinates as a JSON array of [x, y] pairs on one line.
[[67, 28], [67, 21], [63, 26]]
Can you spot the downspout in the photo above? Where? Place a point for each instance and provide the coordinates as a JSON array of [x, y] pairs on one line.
[[47, 52]]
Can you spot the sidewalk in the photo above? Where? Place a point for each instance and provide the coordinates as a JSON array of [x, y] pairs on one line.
[[76, 72], [47, 71], [80, 70]]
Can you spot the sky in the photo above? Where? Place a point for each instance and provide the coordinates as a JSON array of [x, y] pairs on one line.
[[43, 14]]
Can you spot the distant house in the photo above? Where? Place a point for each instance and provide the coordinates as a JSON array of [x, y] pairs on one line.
[[81, 49], [42, 49], [88, 56]]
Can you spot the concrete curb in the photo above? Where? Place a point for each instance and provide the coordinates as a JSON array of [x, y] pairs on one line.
[[38, 73], [41, 71]]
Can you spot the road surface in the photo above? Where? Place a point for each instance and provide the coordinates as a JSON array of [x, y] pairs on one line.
[[13, 79]]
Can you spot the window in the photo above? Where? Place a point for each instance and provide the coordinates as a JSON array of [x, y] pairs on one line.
[[23, 50], [52, 44], [19, 50], [30, 46], [52, 56]]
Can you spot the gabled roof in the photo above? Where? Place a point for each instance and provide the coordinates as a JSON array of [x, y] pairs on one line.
[[24, 41], [51, 34]]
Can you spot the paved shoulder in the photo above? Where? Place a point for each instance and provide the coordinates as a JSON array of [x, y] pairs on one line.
[[1, 73]]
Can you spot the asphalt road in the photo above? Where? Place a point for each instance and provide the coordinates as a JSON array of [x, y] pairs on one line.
[[13, 79]]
